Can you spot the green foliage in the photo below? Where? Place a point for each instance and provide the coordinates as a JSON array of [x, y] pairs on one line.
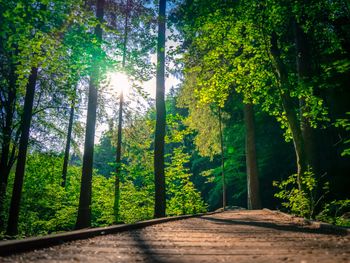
[[301, 202], [102, 200], [183, 197], [345, 124], [200, 119], [46, 207], [305, 202], [137, 185], [229, 49], [104, 155], [336, 212], [136, 203]]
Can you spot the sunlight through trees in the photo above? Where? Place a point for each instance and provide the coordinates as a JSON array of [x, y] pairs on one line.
[[260, 117]]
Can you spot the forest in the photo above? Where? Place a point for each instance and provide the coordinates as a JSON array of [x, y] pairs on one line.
[[118, 111]]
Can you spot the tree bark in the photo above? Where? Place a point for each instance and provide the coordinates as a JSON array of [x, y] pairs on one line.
[[159, 176], [84, 210], [68, 142], [12, 224], [288, 106], [254, 201], [118, 160], [222, 162]]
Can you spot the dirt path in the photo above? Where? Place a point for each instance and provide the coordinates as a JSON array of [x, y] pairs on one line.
[[232, 236]]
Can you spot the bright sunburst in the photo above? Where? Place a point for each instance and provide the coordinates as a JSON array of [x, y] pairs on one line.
[[118, 82]]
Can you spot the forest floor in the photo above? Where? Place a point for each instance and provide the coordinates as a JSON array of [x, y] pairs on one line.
[[231, 236]]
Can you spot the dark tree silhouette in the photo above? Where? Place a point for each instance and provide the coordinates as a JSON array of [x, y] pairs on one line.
[[84, 210], [8, 155], [68, 142], [12, 225], [159, 177]]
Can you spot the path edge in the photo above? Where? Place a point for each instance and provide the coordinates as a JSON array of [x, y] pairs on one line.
[[10, 247], [318, 224]]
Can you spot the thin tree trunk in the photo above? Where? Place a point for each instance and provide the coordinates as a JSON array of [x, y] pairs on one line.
[[159, 176], [68, 142], [251, 160], [5, 161], [222, 162], [84, 210], [288, 106], [304, 69], [12, 224], [120, 123], [118, 160], [5, 171]]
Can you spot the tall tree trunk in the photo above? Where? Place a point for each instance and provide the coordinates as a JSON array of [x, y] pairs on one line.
[[120, 123], [288, 106], [5, 171], [12, 224], [159, 176], [84, 210], [304, 69], [118, 160], [5, 161], [251, 160], [68, 142], [222, 162]]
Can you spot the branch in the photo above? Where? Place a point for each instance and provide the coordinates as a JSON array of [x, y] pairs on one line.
[[48, 107]]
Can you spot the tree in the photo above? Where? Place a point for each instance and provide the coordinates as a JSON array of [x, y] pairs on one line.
[[235, 53], [26, 42], [68, 143], [8, 148], [12, 225], [183, 198], [137, 180], [251, 160], [104, 154], [120, 120], [84, 211], [288, 107], [159, 176], [248, 47], [222, 161]]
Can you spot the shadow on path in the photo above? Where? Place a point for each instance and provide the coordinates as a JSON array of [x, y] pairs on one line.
[[147, 251], [293, 227]]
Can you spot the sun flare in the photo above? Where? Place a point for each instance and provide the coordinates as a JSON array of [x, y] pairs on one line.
[[118, 82]]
